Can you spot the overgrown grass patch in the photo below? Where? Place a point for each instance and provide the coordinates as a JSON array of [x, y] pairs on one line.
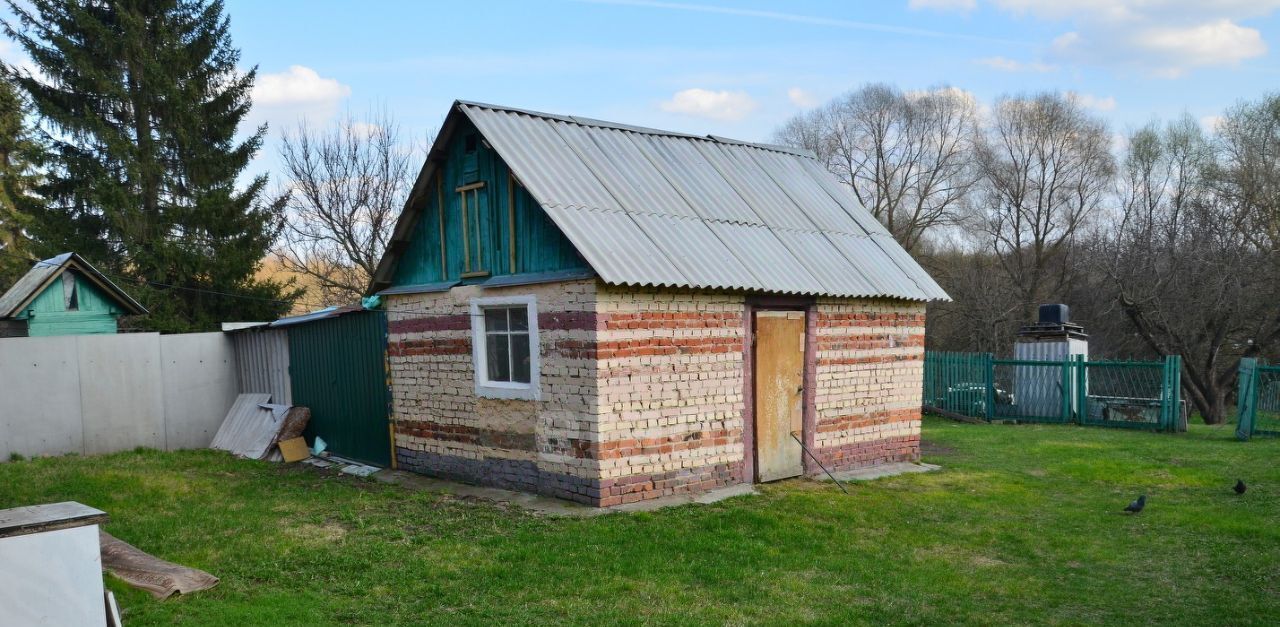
[[1022, 525]]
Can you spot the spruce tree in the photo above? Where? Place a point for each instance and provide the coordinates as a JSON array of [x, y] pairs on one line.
[[141, 101], [17, 155]]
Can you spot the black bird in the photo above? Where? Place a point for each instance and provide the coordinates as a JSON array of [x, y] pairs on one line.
[[1240, 486], [1136, 506]]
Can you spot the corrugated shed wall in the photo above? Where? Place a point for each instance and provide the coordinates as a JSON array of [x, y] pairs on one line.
[[262, 363], [339, 371]]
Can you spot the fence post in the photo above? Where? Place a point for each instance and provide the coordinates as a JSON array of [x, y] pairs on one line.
[[1065, 387], [989, 378], [1082, 390], [1247, 397], [1177, 392]]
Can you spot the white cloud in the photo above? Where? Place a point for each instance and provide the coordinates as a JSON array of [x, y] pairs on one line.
[[801, 98], [366, 130], [1211, 122], [942, 5], [299, 85], [1005, 64], [717, 105], [1137, 10], [1094, 102], [1165, 38], [1221, 42]]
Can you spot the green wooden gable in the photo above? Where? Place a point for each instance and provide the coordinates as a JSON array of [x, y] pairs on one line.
[[63, 295], [75, 309], [476, 222]]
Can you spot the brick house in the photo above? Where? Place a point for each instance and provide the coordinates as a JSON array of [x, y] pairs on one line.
[[606, 313]]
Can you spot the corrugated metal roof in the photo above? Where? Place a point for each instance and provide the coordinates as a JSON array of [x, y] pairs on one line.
[[42, 273], [648, 207], [651, 207]]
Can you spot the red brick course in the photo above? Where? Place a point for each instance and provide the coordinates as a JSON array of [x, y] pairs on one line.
[[845, 423], [430, 346], [616, 449], [859, 454], [684, 481]]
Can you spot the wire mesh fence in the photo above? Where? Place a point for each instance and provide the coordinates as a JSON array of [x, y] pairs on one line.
[[1267, 421], [1125, 394], [1258, 400]]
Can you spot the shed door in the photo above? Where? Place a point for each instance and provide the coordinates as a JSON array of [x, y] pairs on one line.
[[779, 393]]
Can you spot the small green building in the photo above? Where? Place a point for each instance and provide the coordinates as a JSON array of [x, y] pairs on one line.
[[63, 295]]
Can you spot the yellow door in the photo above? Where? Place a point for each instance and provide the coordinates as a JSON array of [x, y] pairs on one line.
[[779, 365]]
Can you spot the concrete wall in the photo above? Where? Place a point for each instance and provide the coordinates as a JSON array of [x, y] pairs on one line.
[[93, 394]]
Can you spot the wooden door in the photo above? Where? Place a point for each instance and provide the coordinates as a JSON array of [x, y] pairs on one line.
[[779, 393]]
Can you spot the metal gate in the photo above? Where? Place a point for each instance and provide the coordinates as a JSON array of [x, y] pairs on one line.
[[1258, 400], [338, 369], [1125, 394]]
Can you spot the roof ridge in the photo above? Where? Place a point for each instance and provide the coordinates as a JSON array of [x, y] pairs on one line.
[[598, 123]]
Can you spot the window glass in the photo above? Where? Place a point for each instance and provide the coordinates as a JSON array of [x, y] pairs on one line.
[[498, 356], [495, 319], [504, 333], [520, 320], [506, 337], [520, 358]]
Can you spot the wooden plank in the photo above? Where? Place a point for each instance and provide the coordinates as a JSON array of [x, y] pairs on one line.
[[511, 223], [779, 393], [466, 236], [444, 250], [20, 521]]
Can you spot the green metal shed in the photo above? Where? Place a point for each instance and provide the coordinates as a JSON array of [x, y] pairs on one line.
[[333, 362]]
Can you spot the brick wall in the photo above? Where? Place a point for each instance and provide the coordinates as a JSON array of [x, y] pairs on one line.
[[669, 392], [444, 429], [869, 373], [642, 390]]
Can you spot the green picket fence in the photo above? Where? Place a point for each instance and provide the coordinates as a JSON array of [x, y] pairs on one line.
[[1257, 400], [1123, 394]]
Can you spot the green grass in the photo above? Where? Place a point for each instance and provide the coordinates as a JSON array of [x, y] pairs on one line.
[[1021, 526]]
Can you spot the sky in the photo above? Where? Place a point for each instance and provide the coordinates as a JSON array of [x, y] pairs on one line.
[[742, 68]]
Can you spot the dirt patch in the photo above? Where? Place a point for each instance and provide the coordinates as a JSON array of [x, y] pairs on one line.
[[982, 560], [933, 448], [327, 533]]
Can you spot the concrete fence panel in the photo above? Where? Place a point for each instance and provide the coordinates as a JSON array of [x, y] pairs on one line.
[[40, 397], [94, 394], [199, 386], [121, 393]]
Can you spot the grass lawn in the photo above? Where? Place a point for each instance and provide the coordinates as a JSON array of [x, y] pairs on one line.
[[1021, 526]]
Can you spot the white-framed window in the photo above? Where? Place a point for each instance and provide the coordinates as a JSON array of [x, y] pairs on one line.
[[504, 346]]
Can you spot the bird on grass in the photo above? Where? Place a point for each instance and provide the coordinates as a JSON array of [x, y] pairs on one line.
[[1240, 486], [1136, 506]]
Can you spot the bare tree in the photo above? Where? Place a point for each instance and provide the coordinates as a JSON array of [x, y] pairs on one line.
[[1046, 168], [1196, 268], [983, 314], [906, 155], [346, 186]]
